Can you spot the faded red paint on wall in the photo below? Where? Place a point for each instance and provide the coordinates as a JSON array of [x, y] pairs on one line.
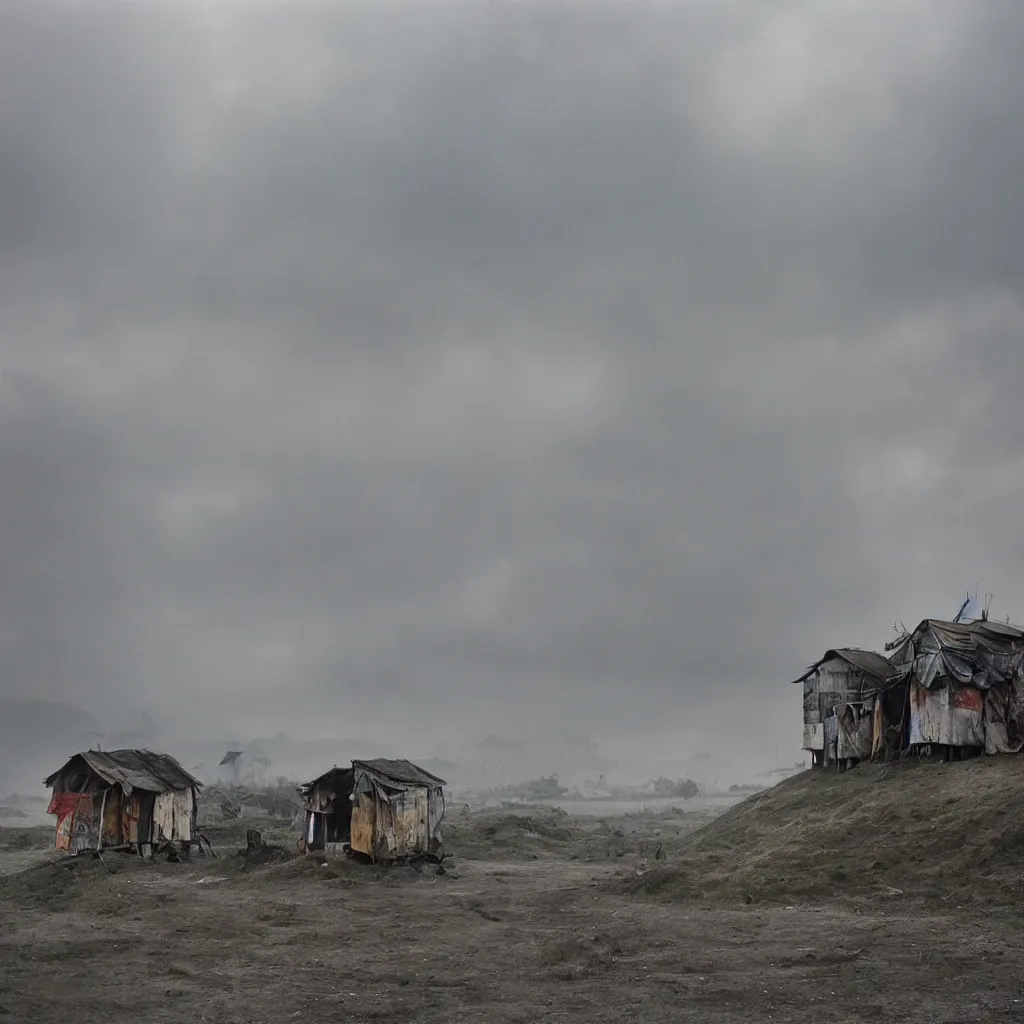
[[130, 819], [66, 806], [968, 699]]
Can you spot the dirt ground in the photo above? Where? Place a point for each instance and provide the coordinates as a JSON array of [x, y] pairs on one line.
[[544, 917]]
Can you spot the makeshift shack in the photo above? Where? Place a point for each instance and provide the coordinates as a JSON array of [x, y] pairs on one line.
[[839, 701], [960, 687], [129, 799], [382, 809]]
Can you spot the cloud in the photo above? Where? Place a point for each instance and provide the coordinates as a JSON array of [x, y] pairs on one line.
[[518, 367]]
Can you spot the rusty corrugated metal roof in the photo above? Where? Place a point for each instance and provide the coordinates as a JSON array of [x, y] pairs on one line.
[[404, 773], [390, 771], [872, 664], [136, 769], [332, 775]]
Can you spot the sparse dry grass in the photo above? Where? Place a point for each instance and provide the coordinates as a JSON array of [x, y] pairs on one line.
[[934, 832], [506, 938]]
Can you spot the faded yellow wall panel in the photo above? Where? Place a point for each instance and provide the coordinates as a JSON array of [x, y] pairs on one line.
[[363, 815], [112, 817], [130, 818]]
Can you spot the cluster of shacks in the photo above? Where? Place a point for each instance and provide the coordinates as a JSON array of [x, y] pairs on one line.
[[381, 809], [949, 689], [141, 801], [125, 799]]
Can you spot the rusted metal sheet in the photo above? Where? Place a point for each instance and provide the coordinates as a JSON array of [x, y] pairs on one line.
[[397, 774], [364, 814], [391, 823], [874, 668], [130, 818], [949, 716], [396, 808], [385, 839]]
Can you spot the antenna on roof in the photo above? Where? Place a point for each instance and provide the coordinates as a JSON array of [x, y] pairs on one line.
[[988, 604], [902, 633], [963, 608]]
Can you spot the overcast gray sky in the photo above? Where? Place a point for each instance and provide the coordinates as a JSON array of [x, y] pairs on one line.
[[476, 367]]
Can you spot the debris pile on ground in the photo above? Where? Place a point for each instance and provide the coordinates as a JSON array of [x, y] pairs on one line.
[[276, 800], [229, 836], [215, 802], [686, 789], [547, 788], [266, 854], [257, 851], [305, 868], [949, 833]]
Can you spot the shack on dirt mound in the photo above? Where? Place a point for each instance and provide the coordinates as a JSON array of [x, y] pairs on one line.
[[384, 809], [839, 702], [959, 687], [952, 689], [131, 799]]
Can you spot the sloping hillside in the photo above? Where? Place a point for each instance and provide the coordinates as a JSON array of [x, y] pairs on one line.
[[948, 833]]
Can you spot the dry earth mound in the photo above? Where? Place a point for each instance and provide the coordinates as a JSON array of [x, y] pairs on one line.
[[952, 834], [498, 834], [535, 831], [39, 837]]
